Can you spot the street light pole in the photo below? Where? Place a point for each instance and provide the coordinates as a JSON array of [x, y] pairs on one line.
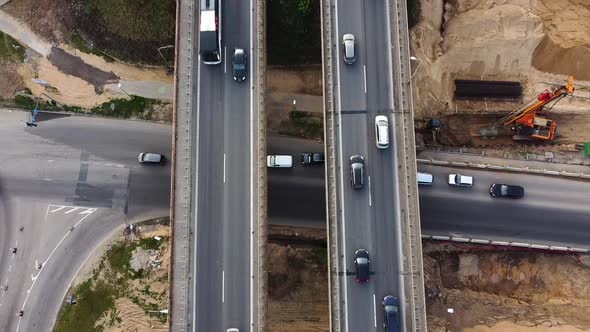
[[413, 58], [120, 87]]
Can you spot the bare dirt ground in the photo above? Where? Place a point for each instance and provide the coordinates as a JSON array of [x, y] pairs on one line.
[[302, 85], [131, 317], [491, 290], [297, 278], [537, 43]]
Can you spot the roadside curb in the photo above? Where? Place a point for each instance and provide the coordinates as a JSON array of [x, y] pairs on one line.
[[507, 168], [523, 245]]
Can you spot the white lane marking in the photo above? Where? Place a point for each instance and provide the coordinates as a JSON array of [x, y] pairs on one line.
[[59, 208], [34, 278], [365, 76], [46, 179], [72, 210], [225, 59], [369, 191], [222, 286], [9, 268], [339, 110], [375, 310], [252, 163], [224, 168]]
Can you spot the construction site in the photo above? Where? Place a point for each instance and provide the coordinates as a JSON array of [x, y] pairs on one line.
[[509, 79], [506, 75]]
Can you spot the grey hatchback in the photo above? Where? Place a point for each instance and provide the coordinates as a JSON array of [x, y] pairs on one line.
[[151, 158]]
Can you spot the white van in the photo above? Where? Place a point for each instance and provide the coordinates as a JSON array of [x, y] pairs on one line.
[[279, 161], [424, 178], [381, 132]]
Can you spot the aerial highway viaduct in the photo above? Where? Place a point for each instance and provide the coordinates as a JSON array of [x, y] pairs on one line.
[[219, 176], [383, 217]]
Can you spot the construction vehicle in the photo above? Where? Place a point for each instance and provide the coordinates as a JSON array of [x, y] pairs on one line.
[[526, 123]]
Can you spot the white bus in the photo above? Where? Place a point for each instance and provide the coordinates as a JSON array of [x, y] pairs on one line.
[[210, 31]]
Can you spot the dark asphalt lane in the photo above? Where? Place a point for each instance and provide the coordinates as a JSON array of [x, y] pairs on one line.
[[63, 174], [222, 139], [296, 196], [369, 217], [553, 211]]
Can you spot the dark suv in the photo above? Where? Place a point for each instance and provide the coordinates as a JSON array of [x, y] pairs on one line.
[[361, 264], [390, 313], [309, 158], [357, 172]]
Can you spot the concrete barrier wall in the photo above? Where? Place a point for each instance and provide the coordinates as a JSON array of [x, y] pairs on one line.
[[490, 242], [506, 168]]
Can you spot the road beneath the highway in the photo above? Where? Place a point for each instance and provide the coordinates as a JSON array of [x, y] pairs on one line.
[[222, 291], [554, 211], [68, 183], [296, 196]]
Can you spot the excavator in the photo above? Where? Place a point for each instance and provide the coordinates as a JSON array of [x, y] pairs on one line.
[[527, 125]]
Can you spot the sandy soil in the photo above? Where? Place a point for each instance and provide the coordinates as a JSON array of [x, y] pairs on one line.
[[504, 291], [298, 284], [10, 80], [534, 42], [304, 85]]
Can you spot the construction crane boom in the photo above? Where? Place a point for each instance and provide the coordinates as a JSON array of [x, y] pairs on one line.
[[525, 122]]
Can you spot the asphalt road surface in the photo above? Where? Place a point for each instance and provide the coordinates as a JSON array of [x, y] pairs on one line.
[[65, 186], [296, 196], [223, 213], [554, 211], [368, 219]]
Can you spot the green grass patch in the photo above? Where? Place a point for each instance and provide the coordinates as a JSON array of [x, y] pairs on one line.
[[78, 42], [318, 256], [303, 124], [151, 243], [124, 108], [93, 300], [294, 35], [130, 30], [118, 257], [28, 103], [10, 49]]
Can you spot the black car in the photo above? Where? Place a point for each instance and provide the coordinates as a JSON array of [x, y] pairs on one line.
[[240, 67], [309, 158], [357, 172], [506, 190], [361, 263], [390, 313]]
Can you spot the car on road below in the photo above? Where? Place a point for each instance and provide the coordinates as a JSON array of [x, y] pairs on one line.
[[151, 158], [391, 313], [281, 161], [239, 64], [460, 180], [506, 190], [357, 172], [381, 132], [425, 179], [309, 158], [232, 330], [361, 264], [348, 48]]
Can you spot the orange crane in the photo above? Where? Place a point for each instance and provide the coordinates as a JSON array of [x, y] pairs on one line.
[[525, 123]]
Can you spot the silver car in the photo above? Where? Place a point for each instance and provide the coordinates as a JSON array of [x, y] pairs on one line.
[[348, 47]]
